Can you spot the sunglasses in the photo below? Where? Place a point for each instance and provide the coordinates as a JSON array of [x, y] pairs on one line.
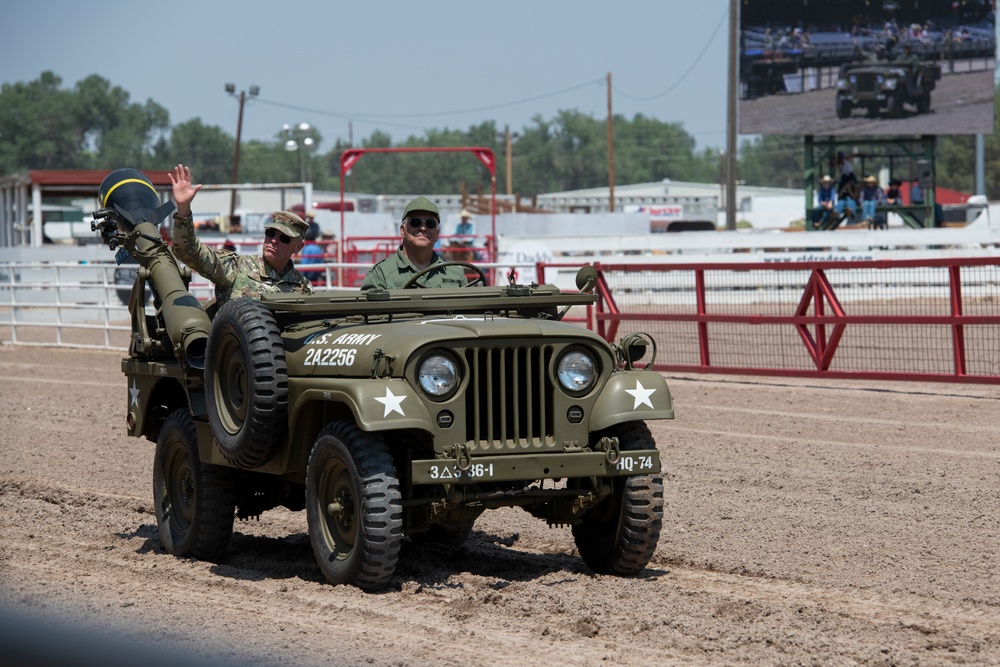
[[271, 233], [415, 223]]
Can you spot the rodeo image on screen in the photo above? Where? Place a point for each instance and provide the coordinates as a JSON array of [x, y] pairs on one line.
[[866, 68]]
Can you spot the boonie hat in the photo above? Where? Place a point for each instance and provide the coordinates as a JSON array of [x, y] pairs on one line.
[[465, 213], [826, 179], [421, 204], [869, 179], [287, 223]]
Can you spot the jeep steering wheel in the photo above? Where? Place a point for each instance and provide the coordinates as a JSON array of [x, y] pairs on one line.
[[480, 277]]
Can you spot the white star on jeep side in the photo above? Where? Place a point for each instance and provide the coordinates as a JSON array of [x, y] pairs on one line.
[[134, 390], [391, 402], [641, 395]]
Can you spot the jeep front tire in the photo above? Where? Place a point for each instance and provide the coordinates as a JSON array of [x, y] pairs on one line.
[[619, 534], [353, 507]]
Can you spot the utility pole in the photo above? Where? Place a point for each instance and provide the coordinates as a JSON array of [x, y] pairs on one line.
[[611, 152], [242, 97], [731, 118]]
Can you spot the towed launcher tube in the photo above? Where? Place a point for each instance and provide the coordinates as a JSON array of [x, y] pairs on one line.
[[128, 221]]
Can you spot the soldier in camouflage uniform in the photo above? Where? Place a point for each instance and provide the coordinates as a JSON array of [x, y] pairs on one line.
[[420, 228], [238, 275]]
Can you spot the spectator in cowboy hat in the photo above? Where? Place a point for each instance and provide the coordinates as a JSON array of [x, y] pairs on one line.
[[871, 196], [465, 226], [827, 199]]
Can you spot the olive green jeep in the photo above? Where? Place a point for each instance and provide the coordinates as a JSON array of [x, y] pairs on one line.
[[385, 415], [883, 87]]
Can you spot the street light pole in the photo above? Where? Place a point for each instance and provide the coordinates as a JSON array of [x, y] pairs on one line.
[[296, 142], [242, 97]]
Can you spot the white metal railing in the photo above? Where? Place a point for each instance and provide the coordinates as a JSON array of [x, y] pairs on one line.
[[80, 304], [58, 303]]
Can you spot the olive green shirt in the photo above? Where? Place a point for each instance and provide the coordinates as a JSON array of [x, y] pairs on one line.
[[234, 275], [395, 271]]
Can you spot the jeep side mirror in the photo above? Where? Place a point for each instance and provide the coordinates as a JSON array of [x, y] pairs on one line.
[[586, 279]]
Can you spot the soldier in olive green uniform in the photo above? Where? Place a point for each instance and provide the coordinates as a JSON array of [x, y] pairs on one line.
[[238, 275], [419, 229]]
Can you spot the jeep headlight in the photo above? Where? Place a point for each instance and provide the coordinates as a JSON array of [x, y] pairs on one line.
[[853, 79], [891, 84], [438, 375], [577, 371], [880, 79]]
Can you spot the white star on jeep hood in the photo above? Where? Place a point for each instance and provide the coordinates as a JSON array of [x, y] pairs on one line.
[[134, 390], [641, 395], [392, 402]]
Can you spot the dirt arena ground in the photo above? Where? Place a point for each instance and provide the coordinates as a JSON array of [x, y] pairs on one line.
[[807, 522], [961, 104]]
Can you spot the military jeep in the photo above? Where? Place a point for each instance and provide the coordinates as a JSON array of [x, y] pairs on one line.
[[883, 87], [385, 415]]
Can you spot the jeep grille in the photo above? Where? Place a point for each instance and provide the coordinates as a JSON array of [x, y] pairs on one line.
[[867, 83], [509, 401]]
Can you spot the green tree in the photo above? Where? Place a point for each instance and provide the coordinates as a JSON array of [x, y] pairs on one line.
[[119, 132], [954, 163], [568, 153], [38, 126], [772, 161], [647, 150], [94, 126], [207, 149]]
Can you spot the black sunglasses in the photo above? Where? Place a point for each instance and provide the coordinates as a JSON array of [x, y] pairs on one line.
[[415, 223], [270, 233]]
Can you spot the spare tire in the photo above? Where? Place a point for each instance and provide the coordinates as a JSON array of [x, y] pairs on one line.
[[246, 383]]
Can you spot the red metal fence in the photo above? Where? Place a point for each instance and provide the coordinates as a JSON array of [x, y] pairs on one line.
[[926, 320]]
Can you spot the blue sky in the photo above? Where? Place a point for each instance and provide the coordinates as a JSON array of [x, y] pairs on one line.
[[402, 67]]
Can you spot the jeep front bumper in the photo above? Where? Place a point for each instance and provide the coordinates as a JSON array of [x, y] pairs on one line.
[[529, 467]]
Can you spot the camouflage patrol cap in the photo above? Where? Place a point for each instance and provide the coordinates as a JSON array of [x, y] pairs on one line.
[[287, 223], [421, 204]]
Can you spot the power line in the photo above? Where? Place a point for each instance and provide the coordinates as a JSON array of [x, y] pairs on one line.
[[689, 70], [357, 115]]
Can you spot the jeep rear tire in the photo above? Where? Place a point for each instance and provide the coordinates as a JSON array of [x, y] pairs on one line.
[[619, 534], [246, 383], [353, 507], [924, 102], [843, 107], [893, 105], [195, 502]]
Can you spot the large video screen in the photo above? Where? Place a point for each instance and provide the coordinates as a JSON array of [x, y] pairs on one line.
[[866, 67]]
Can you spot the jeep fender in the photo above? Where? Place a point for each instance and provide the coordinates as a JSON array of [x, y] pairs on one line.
[[632, 396], [382, 404]]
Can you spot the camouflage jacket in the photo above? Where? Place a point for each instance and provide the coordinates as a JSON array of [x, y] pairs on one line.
[[394, 271], [234, 275]]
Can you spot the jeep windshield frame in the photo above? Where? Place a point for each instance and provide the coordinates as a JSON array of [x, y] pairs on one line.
[[480, 300]]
